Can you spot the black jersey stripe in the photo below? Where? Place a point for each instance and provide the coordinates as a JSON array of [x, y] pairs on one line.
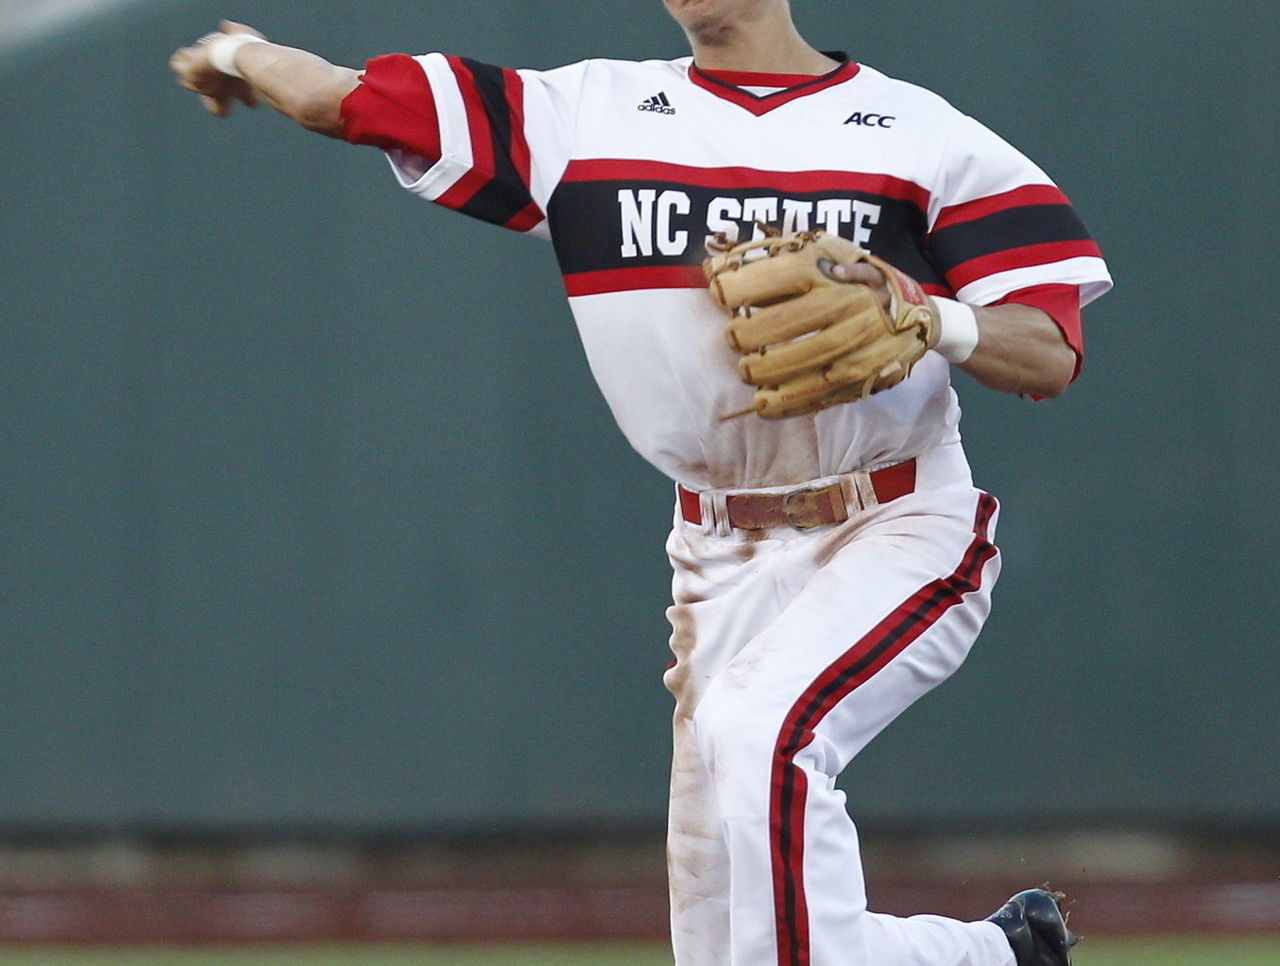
[[505, 195], [1004, 230], [587, 225]]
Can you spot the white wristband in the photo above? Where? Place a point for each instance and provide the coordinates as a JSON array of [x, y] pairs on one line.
[[957, 330], [222, 51]]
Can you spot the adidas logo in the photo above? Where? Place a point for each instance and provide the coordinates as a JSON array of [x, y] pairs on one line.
[[658, 104]]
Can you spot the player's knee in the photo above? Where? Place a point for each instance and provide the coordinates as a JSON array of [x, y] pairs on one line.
[[731, 726]]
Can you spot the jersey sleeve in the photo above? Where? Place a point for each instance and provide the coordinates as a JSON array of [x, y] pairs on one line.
[[486, 141], [999, 225]]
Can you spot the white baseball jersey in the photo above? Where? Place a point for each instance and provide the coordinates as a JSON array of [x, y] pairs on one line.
[[628, 167], [793, 648]]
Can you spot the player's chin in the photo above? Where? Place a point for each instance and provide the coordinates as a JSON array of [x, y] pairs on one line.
[[691, 13], [708, 30]]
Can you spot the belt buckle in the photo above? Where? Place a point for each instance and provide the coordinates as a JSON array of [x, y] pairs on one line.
[[793, 513]]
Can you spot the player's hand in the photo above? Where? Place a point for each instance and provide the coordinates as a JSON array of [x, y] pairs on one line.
[[863, 273], [217, 91]]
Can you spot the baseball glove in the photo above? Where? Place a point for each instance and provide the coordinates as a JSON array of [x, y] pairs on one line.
[[809, 341]]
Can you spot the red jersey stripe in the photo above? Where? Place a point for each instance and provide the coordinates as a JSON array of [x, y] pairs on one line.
[[634, 279], [519, 148], [1036, 194], [622, 169], [1025, 256], [464, 190], [477, 119], [528, 217]]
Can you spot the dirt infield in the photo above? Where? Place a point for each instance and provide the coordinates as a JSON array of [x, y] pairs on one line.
[[610, 891]]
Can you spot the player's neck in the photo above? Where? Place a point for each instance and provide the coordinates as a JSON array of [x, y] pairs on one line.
[[778, 51]]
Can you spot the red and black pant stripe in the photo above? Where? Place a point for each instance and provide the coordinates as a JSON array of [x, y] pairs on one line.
[[905, 624]]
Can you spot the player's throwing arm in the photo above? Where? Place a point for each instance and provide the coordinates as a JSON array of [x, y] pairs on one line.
[[236, 63]]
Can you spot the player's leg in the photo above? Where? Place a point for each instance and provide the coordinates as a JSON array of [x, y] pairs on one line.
[[888, 609], [718, 605]]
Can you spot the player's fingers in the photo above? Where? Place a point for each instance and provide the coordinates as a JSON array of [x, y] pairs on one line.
[[214, 105], [189, 85], [180, 60], [232, 27], [186, 80], [191, 65], [859, 273]]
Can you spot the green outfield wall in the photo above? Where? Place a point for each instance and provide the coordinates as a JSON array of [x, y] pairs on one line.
[[310, 516]]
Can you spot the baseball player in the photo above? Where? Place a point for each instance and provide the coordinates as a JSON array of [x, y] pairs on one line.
[[774, 256]]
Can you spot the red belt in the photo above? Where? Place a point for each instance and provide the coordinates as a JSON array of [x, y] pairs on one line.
[[804, 507]]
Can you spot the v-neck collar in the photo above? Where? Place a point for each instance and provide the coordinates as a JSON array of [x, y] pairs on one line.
[[729, 84]]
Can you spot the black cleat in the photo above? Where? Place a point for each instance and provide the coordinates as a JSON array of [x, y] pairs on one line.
[[1036, 928]]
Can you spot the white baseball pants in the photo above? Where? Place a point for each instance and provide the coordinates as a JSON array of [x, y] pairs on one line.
[[793, 650]]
